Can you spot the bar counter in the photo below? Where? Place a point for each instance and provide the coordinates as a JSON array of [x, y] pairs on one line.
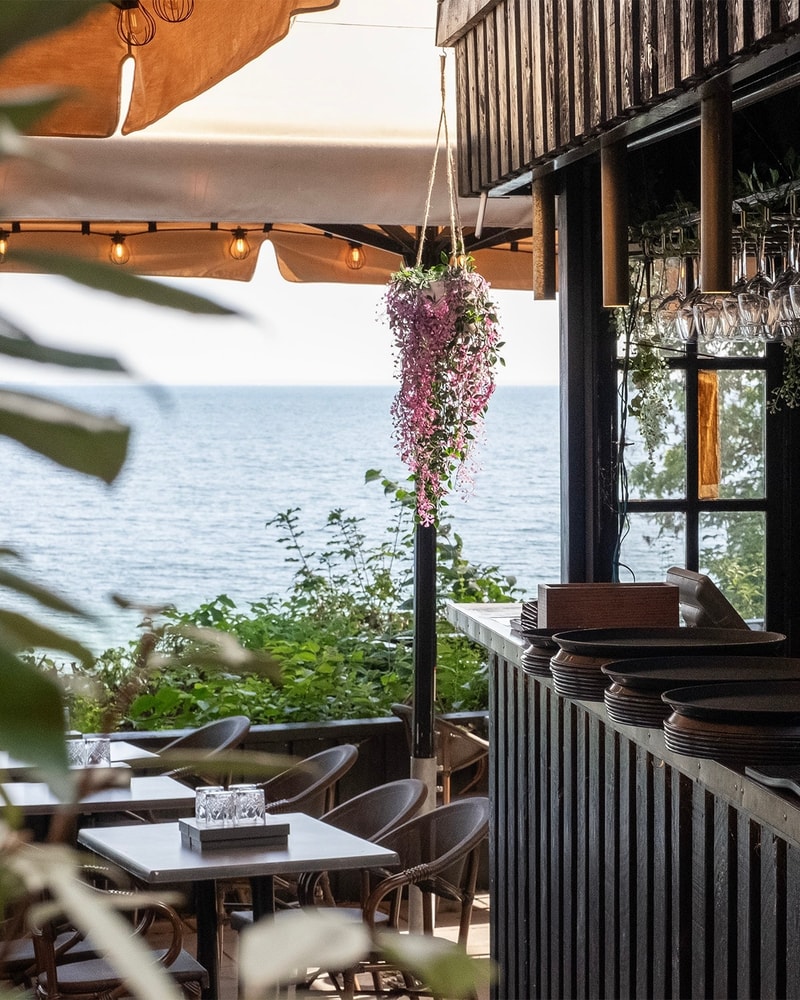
[[621, 869]]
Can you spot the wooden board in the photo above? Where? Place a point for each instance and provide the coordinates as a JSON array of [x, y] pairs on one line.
[[600, 605]]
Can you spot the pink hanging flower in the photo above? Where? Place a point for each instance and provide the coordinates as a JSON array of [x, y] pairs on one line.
[[447, 340]]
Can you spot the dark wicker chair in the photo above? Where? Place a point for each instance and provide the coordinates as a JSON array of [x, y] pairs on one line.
[[457, 748], [310, 785], [207, 741], [96, 978], [439, 853], [370, 815]]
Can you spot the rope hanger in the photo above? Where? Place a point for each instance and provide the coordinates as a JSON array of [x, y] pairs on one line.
[[456, 234]]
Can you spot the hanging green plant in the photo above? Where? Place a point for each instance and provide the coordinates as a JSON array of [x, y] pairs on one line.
[[651, 401], [447, 343], [788, 392]]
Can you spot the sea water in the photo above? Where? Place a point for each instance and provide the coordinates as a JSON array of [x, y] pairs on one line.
[[209, 466]]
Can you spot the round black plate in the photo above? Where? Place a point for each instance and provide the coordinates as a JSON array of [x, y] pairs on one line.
[[622, 642]]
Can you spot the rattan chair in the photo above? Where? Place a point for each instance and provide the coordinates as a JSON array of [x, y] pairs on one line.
[[310, 785], [207, 741], [96, 978], [457, 748], [370, 815], [439, 853]]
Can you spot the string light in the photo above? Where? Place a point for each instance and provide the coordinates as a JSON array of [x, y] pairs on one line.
[[173, 11], [120, 252], [239, 248], [355, 258], [135, 25]]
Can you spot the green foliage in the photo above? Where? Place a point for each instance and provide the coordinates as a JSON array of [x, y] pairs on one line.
[[650, 402], [788, 392], [342, 636]]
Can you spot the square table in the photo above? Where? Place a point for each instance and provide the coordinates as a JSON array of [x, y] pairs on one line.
[[155, 855], [150, 792], [122, 752]]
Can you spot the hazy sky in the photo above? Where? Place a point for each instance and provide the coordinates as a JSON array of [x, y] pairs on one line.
[[296, 334]]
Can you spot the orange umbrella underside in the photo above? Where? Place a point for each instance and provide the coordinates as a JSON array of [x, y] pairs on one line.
[[181, 61]]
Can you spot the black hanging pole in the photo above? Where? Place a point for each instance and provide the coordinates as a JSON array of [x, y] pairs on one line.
[[424, 641]]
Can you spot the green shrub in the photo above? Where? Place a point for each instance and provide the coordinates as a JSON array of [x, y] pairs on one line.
[[342, 636]]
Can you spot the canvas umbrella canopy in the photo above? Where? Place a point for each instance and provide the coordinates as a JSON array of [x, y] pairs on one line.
[[311, 161], [184, 57]]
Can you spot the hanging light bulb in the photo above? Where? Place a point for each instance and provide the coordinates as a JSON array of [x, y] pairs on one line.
[[173, 10], [3, 245], [239, 248], [355, 258], [120, 252], [135, 25]]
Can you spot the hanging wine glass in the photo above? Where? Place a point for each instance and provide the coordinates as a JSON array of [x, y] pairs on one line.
[[667, 309], [685, 324], [753, 299]]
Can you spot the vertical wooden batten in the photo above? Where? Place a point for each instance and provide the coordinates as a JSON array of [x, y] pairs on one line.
[[716, 188], [614, 207], [544, 238]]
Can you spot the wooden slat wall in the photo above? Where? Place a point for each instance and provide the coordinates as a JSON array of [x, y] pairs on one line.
[[614, 874], [536, 77]]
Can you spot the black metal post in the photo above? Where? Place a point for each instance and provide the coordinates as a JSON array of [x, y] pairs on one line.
[[424, 640]]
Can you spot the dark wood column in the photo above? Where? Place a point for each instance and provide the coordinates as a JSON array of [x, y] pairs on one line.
[[588, 383]]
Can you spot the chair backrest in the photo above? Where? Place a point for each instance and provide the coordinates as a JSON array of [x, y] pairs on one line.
[[310, 785], [456, 747], [438, 853], [374, 813], [370, 815], [441, 837], [221, 734], [207, 741]]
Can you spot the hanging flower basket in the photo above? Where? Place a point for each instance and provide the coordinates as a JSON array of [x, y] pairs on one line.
[[447, 339]]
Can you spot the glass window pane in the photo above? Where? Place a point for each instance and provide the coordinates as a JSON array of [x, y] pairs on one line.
[[654, 434], [742, 425], [733, 555], [653, 543]]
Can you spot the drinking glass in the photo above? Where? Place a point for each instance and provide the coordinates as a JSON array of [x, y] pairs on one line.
[[220, 808], [250, 804], [98, 752], [754, 300], [200, 807], [76, 752]]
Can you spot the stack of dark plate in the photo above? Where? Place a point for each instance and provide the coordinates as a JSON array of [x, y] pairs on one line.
[[529, 616], [539, 650], [634, 696], [748, 722], [582, 653]]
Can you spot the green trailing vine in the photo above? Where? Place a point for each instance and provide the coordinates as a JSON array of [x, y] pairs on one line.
[[650, 402], [788, 392]]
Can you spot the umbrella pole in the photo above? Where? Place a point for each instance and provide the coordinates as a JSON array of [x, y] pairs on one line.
[[423, 751]]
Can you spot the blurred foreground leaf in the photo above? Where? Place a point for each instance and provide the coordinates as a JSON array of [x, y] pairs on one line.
[[26, 348], [94, 445], [21, 20], [19, 632], [32, 721], [23, 107], [443, 966], [109, 278], [208, 647], [48, 599], [271, 951]]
